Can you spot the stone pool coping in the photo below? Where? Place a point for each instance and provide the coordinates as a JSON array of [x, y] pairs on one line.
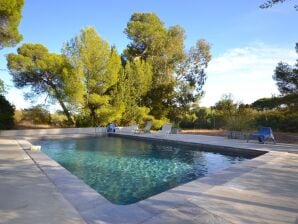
[[94, 208]]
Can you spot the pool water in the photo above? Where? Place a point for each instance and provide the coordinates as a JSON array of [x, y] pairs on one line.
[[126, 171]]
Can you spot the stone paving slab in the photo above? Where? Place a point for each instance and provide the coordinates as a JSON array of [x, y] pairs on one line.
[[26, 194], [267, 194], [223, 142]]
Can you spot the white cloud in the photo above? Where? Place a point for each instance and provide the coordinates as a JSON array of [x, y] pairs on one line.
[[245, 72]]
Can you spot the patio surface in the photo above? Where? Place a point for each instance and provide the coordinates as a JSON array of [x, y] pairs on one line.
[[26, 194], [261, 190]]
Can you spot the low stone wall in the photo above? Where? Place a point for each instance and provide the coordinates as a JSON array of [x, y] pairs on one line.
[[56, 131], [237, 135]]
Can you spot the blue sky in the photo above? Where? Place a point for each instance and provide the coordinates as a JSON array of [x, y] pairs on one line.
[[247, 42]]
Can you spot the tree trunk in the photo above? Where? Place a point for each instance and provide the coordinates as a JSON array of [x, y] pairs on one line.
[[65, 110]]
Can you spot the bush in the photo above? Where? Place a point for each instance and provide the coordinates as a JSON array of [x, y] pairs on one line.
[[157, 124], [59, 119], [6, 114], [279, 120], [18, 116], [36, 115], [289, 122], [242, 120]]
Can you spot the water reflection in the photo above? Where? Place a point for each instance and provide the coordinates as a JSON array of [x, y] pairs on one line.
[[126, 171]]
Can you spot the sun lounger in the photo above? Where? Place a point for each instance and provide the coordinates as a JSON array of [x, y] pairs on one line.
[[165, 130], [146, 129], [130, 129], [262, 135]]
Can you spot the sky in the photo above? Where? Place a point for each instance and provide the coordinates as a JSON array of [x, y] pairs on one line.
[[247, 42]]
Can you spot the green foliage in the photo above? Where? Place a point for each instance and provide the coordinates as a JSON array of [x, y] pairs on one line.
[[233, 116], [226, 106], [242, 120], [134, 83], [280, 120], [36, 115], [188, 120], [158, 123], [58, 119], [163, 48], [286, 77], [98, 65], [277, 102], [205, 118], [178, 76], [10, 11], [266, 103], [157, 79], [2, 87], [18, 116], [190, 78], [6, 114], [190, 73], [46, 73]]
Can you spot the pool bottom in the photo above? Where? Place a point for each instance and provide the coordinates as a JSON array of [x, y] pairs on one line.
[[127, 171]]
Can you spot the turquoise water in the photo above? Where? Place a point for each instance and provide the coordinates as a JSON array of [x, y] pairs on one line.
[[125, 171]]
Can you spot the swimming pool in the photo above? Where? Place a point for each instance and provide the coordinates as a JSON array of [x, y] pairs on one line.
[[126, 171]]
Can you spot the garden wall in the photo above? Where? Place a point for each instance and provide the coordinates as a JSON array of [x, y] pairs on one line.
[[56, 131]]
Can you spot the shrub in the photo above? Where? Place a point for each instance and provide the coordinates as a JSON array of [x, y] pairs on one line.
[[242, 120], [36, 115], [157, 124], [18, 116], [59, 119], [279, 120], [6, 114]]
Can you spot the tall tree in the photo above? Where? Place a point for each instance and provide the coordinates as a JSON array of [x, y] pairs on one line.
[[134, 83], [286, 77], [226, 106], [46, 73], [98, 64], [191, 75], [177, 75], [10, 16]]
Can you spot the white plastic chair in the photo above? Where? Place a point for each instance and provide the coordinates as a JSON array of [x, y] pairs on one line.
[[165, 130]]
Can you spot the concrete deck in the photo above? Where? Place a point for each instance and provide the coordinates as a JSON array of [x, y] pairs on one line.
[[261, 190], [27, 196]]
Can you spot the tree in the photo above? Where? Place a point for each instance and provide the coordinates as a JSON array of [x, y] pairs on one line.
[[10, 16], [98, 65], [191, 76], [36, 115], [163, 48], [266, 103], [6, 113], [286, 77], [46, 73], [270, 3], [226, 106], [134, 83]]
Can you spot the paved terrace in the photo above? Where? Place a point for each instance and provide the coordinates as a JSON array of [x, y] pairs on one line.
[[261, 190], [218, 141], [27, 196]]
